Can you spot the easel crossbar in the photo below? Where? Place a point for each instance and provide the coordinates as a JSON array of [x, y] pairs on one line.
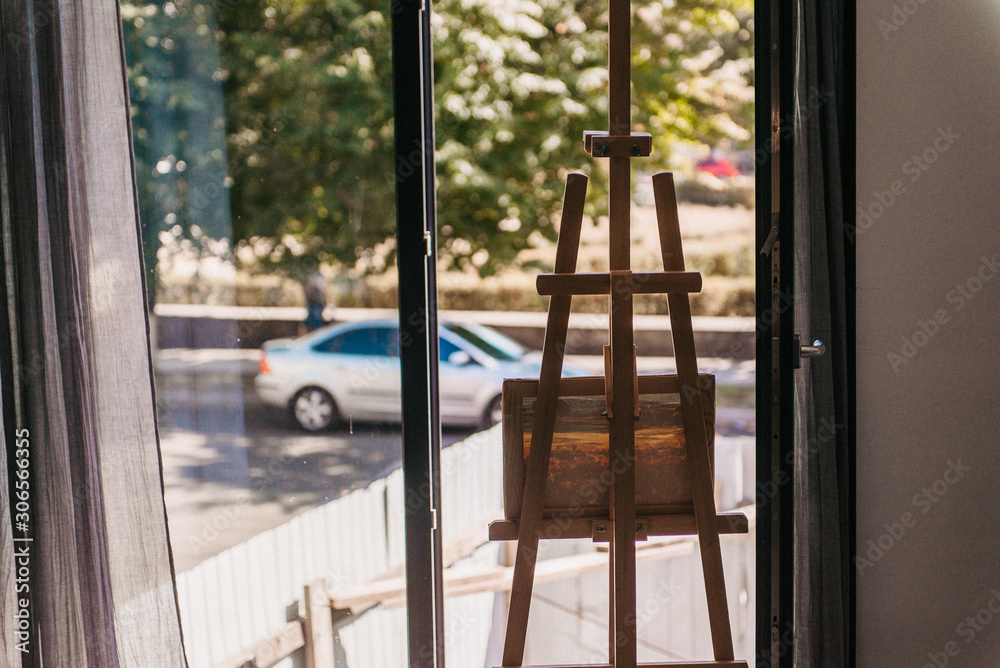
[[658, 525], [645, 282], [594, 385], [685, 664]]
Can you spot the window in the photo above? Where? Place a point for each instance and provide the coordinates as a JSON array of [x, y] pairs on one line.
[[446, 349], [372, 341], [489, 341], [262, 149], [266, 165]]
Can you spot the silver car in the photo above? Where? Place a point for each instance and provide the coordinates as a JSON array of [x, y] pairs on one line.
[[351, 371]]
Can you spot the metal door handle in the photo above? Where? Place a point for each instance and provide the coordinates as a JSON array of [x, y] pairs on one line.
[[815, 350]]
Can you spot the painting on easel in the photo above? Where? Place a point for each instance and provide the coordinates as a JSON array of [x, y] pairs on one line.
[[579, 466]]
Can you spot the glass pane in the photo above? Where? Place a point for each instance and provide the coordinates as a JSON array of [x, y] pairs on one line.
[[517, 85], [263, 140], [263, 137]]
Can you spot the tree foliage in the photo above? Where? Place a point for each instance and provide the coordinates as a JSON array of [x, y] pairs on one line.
[[518, 81], [275, 116]]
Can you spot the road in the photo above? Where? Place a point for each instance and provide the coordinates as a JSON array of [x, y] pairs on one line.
[[233, 467]]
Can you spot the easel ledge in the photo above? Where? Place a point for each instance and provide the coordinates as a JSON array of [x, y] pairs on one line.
[[689, 664], [674, 524]]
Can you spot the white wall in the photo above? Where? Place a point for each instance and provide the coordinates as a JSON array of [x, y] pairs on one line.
[[939, 71]]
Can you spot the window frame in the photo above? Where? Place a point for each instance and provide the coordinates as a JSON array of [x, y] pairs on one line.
[[413, 104], [413, 100]]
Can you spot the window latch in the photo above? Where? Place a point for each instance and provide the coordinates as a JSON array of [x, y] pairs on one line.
[[772, 237]]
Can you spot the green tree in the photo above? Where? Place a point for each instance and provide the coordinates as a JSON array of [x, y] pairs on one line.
[[309, 119], [280, 113], [519, 81], [178, 121]]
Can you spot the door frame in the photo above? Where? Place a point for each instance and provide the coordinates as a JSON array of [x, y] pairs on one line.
[[775, 356], [413, 105], [775, 57]]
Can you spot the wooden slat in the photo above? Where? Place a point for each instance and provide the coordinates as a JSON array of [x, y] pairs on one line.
[[459, 547], [646, 282], [622, 462], [570, 223], [270, 650], [683, 664], [612, 634], [680, 524], [588, 386], [318, 626], [619, 214], [603, 145], [553, 349], [499, 578], [635, 381], [643, 140], [513, 432], [620, 71], [692, 409], [609, 375]]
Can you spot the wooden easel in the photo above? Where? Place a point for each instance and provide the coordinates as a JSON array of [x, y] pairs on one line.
[[620, 526]]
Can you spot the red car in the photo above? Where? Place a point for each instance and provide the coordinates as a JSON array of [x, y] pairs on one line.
[[719, 167]]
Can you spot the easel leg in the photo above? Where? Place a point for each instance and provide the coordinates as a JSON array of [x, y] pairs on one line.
[[553, 349], [612, 635], [694, 421], [622, 463]]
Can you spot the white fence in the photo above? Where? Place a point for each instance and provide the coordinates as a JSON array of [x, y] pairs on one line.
[[250, 592], [242, 595]]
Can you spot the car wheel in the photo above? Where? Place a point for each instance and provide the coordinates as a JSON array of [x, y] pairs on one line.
[[493, 414], [314, 409]]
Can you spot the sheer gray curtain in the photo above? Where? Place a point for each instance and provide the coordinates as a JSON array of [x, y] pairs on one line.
[[822, 504], [76, 376]]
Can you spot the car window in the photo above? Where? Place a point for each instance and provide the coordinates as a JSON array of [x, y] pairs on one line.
[[388, 340], [331, 344], [493, 343], [446, 348], [377, 341]]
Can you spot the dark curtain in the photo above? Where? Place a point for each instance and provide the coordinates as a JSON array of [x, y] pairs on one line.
[[76, 382], [822, 468]]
